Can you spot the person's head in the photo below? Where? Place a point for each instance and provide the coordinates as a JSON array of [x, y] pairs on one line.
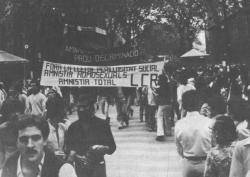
[[217, 105], [85, 107], [169, 68], [191, 81], [183, 78], [12, 92], [1, 85], [32, 137], [206, 110], [57, 90], [162, 80], [224, 130], [190, 101], [200, 71], [34, 88]]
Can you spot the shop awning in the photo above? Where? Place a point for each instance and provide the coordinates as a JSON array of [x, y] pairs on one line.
[[6, 58], [194, 53]]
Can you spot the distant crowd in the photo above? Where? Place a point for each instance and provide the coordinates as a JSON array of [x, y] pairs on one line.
[[208, 106]]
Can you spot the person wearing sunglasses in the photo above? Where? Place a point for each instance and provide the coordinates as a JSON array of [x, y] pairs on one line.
[[89, 139], [32, 158]]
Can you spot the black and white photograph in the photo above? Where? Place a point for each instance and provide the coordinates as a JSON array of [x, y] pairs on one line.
[[124, 88]]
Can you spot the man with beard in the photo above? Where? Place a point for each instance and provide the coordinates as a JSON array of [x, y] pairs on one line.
[[32, 158], [88, 140]]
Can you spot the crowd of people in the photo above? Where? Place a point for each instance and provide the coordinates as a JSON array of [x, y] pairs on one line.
[[208, 106], [37, 138]]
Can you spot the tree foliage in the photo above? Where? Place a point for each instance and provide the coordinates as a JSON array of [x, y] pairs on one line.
[[218, 10], [186, 16], [160, 39], [218, 13], [41, 23]]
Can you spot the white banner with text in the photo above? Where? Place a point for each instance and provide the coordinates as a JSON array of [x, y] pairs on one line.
[[57, 74]]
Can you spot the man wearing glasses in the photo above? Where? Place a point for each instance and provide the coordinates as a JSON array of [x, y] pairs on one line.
[[32, 158]]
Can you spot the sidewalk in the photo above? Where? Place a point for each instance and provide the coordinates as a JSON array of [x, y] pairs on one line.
[[138, 154]]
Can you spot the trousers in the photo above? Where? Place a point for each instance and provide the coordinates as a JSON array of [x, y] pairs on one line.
[[151, 110], [193, 168], [121, 109], [164, 120]]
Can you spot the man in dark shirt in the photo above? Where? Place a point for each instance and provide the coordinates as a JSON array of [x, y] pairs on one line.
[[164, 107], [88, 140]]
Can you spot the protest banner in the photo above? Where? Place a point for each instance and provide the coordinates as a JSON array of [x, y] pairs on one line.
[[114, 56], [57, 74]]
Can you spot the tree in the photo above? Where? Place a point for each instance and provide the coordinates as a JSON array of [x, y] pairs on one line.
[[41, 23], [159, 38], [127, 16], [187, 16], [218, 12]]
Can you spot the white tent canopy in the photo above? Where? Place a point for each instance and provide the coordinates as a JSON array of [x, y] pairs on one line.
[[6, 57], [194, 53]]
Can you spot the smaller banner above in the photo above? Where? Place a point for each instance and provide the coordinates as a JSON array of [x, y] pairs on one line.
[[57, 74], [114, 56]]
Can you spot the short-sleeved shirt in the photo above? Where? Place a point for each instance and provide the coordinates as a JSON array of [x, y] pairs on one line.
[[241, 159], [193, 135], [36, 104]]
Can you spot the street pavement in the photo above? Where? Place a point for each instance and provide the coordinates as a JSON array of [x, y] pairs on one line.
[[138, 154]]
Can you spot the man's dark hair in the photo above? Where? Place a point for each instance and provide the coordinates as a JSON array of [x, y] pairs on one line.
[[183, 78], [225, 130], [91, 98], [25, 121], [190, 100], [217, 104]]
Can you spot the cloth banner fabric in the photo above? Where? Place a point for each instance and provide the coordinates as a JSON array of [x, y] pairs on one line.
[[108, 57], [57, 74]]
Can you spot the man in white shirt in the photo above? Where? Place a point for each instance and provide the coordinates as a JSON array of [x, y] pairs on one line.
[[36, 102], [32, 159], [240, 165], [193, 136], [181, 89]]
